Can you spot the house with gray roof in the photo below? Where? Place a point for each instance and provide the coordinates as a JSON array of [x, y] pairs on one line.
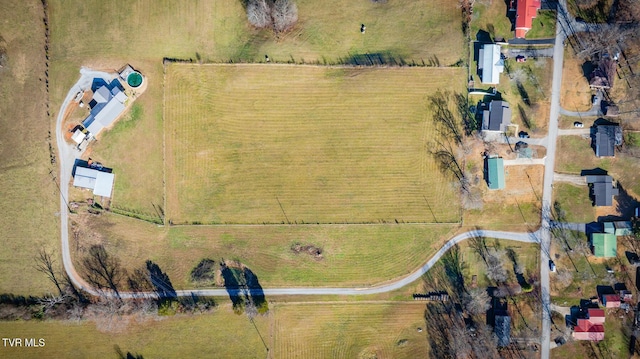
[[497, 117], [602, 190], [502, 328], [606, 139], [107, 104]]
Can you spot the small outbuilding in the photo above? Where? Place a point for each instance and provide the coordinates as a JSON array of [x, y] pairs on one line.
[[100, 182], [78, 136], [604, 245], [495, 173], [611, 301]]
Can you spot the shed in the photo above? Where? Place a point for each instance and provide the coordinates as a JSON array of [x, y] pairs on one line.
[[623, 228], [495, 173], [78, 136], [100, 182], [491, 63], [604, 245]]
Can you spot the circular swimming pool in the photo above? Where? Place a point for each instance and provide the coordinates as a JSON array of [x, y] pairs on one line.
[[134, 79]]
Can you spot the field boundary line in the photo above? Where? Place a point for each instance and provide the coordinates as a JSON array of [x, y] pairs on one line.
[[315, 224], [164, 144], [290, 64]]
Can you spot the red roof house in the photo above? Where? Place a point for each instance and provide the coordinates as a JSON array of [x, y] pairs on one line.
[[596, 316], [586, 330], [611, 300], [526, 11]]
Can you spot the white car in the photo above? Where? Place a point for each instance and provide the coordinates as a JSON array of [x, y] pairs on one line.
[[578, 125]]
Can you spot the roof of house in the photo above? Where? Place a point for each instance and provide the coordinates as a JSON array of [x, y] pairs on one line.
[[603, 75], [596, 315], [102, 94], [491, 63], [611, 298], [495, 175], [526, 11], [497, 117], [602, 189], [502, 329], [587, 330], [604, 244], [609, 228], [100, 182], [607, 137]]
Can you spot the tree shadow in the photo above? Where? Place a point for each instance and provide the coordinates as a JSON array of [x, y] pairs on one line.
[[587, 69], [453, 268], [244, 289], [127, 355], [160, 281], [523, 94], [525, 118]]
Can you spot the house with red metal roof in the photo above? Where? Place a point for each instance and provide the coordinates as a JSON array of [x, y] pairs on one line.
[[587, 330], [596, 315], [526, 11], [611, 300]]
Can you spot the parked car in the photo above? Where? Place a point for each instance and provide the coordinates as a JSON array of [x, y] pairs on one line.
[[578, 124], [523, 134], [552, 266], [521, 58]]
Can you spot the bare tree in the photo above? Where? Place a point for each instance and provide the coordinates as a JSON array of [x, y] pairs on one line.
[[285, 15], [280, 15], [495, 267], [477, 301], [259, 13], [103, 270], [45, 264], [446, 122]]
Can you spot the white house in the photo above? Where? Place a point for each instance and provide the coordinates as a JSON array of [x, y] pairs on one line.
[[108, 105], [491, 63]]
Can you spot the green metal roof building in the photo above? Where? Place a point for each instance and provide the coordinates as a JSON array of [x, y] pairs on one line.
[[604, 245], [495, 173]]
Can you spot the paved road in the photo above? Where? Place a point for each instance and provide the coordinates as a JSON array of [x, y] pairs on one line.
[[530, 52]]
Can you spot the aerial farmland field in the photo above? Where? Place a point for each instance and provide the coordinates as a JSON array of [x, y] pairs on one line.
[[304, 144]]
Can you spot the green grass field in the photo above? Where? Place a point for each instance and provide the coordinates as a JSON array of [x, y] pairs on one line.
[[29, 199], [315, 330], [575, 201], [543, 26], [352, 255], [304, 144]]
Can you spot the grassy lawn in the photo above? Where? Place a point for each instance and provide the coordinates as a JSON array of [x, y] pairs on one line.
[[352, 255], [339, 145], [575, 154], [316, 330], [575, 201], [505, 216], [544, 25], [528, 256], [350, 331], [575, 93], [491, 16], [29, 198]]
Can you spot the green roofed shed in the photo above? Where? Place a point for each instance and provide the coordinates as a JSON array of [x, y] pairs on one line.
[[495, 175], [604, 245]]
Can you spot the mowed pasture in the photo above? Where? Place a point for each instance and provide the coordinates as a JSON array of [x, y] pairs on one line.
[[304, 144], [352, 255], [29, 199], [315, 330]]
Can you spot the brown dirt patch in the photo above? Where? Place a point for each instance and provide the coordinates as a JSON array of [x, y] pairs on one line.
[[575, 94], [313, 251]]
